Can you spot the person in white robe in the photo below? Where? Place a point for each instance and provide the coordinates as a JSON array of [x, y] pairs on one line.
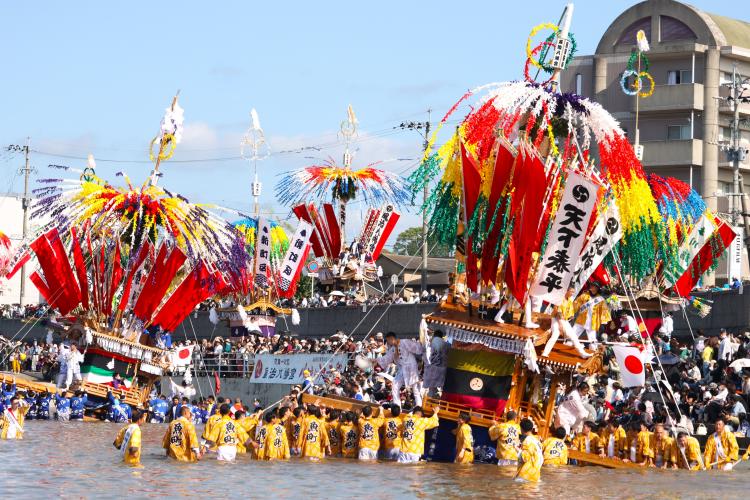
[[434, 372], [73, 365], [572, 412], [403, 354]]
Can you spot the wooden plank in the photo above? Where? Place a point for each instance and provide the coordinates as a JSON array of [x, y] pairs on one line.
[[24, 383], [337, 402], [594, 459]]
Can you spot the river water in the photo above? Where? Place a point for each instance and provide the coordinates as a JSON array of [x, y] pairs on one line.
[[76, 459]]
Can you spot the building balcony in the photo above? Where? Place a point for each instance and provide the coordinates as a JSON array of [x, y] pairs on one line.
[[667, 98], [727, 107], [672, 153]]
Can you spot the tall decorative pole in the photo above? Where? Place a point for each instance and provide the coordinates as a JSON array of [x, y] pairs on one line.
[[254, 148], [348, 131], [169, 136], [562, 46]]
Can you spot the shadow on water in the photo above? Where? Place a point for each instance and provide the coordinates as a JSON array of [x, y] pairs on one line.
[[75, 460]]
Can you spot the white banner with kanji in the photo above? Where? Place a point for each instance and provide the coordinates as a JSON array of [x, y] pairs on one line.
[[262, 252], [291, 266], [566, 239], [290, 368], [381, 230], [603, 238]]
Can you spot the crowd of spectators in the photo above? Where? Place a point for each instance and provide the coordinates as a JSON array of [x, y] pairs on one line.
[[695, 381], [17, 311], [353, 296]]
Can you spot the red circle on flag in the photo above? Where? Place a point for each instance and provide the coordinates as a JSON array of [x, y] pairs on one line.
[[633, 364], [184, 353]]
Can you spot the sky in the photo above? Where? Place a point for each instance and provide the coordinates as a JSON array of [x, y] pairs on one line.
[[94, 77]]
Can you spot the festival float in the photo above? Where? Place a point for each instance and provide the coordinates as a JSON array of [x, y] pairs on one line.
[[123, 266], [276, 263], [312, 193], [541, 194]]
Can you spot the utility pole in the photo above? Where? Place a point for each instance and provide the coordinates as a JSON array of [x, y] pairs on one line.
[[736, 154], [418, 126], [425, 195], [25, 204]]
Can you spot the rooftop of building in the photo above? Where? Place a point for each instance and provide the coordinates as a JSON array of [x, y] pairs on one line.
[[667, 22]]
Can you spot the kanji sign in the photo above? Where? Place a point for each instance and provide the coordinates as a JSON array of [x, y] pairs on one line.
[[566, 239]]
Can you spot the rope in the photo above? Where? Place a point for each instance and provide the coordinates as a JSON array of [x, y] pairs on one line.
[[628, 294], [388, 306], [200, 355]]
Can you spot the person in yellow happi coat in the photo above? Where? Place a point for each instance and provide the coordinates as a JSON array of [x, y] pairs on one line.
[[640, 440], [225, 436], [369, 433], [249, 424], [239, 419], [276, 446], [333, 428], [663, 447], [294, 428], [259, 442], [349, 435], [508, 437], [12, 419], [592, 312], [554, 448], [687, 451], [392, 428], [314, 438], [180, 440], [587, 440], [721, 450], [208, 430], [128, 440], [531, 457], [414, 426], [464, 440], [614, 440]]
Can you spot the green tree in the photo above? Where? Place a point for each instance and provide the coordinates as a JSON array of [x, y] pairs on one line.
[[409, 242]]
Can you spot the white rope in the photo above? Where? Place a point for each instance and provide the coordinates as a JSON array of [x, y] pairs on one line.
[[388, 306], [628, 294]]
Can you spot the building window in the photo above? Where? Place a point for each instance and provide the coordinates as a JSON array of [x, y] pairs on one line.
[[724, 134], [725, 78], [678, 132], [579, 84], [679, 76]]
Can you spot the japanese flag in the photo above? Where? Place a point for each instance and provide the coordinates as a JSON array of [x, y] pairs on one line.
[[632, 370], [182, 356]]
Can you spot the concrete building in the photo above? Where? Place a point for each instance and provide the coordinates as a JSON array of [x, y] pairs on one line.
[[11, 223], [684, 123]]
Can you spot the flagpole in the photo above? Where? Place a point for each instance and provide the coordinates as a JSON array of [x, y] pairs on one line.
[[162, 146]]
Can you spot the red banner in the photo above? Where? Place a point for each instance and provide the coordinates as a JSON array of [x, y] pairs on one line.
[[500, 178], [707, 255], [158, 281]]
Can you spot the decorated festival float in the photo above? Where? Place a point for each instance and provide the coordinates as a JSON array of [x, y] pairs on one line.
[[276, 263], [120, 267], [312, 193], [553, 221]]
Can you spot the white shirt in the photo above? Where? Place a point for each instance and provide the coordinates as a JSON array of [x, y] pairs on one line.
[[725, 349]]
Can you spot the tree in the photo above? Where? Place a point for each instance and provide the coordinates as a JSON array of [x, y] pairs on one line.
[[409, 242]]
